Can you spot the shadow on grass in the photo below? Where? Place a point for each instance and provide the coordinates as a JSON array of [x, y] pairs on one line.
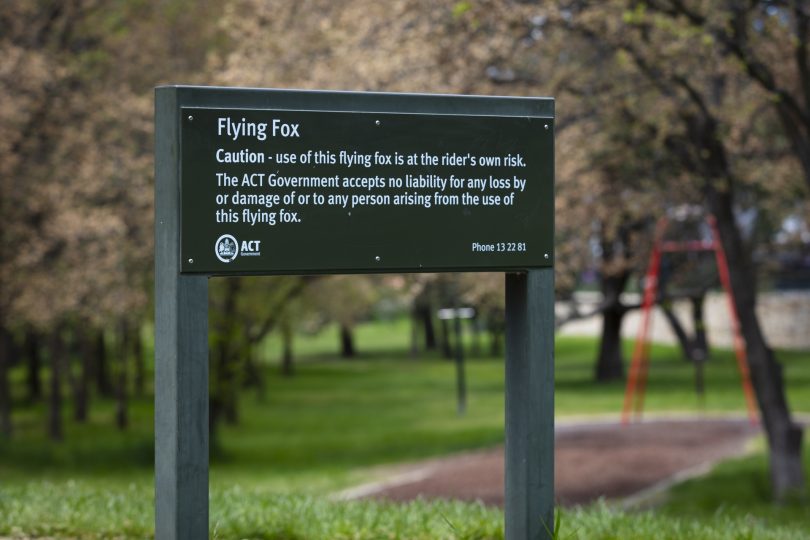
[[131, 455]]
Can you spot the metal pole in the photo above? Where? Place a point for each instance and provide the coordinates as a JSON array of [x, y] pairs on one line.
[[181, 352], [461, 382], [529, 490], [637, 379]]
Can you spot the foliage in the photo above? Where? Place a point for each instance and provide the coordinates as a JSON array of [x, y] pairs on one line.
[[79, 72], [76, 141], [661, 103]]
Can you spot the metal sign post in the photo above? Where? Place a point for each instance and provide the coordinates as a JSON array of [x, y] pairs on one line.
[[261, 182], [456, 314]]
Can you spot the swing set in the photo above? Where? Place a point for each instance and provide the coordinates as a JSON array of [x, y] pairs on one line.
[[639, 367]]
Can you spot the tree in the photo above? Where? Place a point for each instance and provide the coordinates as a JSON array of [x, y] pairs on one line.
[[342, 299], [699, 95], [31, 352], [417, 290], [244, 311], [76, 163], [5, 387], [769, 40], [57, 358]]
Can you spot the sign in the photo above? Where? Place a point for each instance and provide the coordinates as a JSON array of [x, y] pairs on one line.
[[262, 181], [269, 191], [460, 313]]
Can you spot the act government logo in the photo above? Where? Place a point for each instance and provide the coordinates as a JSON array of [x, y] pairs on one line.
[[226, 248]]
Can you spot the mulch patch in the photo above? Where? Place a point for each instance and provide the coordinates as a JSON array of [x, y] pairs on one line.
[[591, 461]]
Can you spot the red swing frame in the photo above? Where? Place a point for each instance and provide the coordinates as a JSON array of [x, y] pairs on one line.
[[639, 367]]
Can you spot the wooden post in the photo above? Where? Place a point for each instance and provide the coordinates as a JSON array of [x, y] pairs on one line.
[[529, 454], [181, 352]]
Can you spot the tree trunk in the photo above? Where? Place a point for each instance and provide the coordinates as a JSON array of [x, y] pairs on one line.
[[287, 349], [495, 342], [700, 348], [5, 389], [347, 349], [139, 362], [447, 347], [677, 328], [695, 348], [253, 374], [415, 333], [218, 399], [81, 393], [423, 312], [33, 365], [231, 408], [610, 361], [475, 347], [55, 432], [222, 402], [121, 392], [101, 368], [784, 436]]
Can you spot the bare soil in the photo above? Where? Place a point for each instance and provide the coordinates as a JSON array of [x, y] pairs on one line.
[[591, 461]]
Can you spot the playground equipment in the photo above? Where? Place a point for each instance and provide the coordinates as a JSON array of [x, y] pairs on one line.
[[639, 367]]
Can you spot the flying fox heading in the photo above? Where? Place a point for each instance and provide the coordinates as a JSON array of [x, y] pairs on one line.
[[243, 128]]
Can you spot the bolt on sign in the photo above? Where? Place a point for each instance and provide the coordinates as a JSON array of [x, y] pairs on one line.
[[263, 182]]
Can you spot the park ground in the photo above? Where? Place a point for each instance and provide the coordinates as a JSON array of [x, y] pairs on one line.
[[337, 423]]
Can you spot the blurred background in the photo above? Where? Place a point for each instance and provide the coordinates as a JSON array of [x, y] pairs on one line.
[[680, 121]]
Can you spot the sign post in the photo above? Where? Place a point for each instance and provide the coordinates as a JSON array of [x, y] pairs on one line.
[[262, 182], [529, 449], [181, 352], [456, 314]]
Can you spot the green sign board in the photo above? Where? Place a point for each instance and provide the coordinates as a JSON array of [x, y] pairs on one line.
[[263, 181], [279, 191]]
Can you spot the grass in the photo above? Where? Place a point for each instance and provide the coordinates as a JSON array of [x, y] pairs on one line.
[[81, 510], [737, 487], [330, 424]]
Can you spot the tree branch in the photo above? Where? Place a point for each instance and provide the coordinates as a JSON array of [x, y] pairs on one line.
[[270, 322], [802, 27], [738, 45]]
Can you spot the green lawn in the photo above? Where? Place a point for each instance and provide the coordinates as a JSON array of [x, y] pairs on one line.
[[331, 424], [738, 487], [85, 510]]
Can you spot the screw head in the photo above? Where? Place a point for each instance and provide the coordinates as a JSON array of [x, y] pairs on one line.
[[546, 126], [377, 258], [191, 261], [377, 122], [545, 255], [190, 117]]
